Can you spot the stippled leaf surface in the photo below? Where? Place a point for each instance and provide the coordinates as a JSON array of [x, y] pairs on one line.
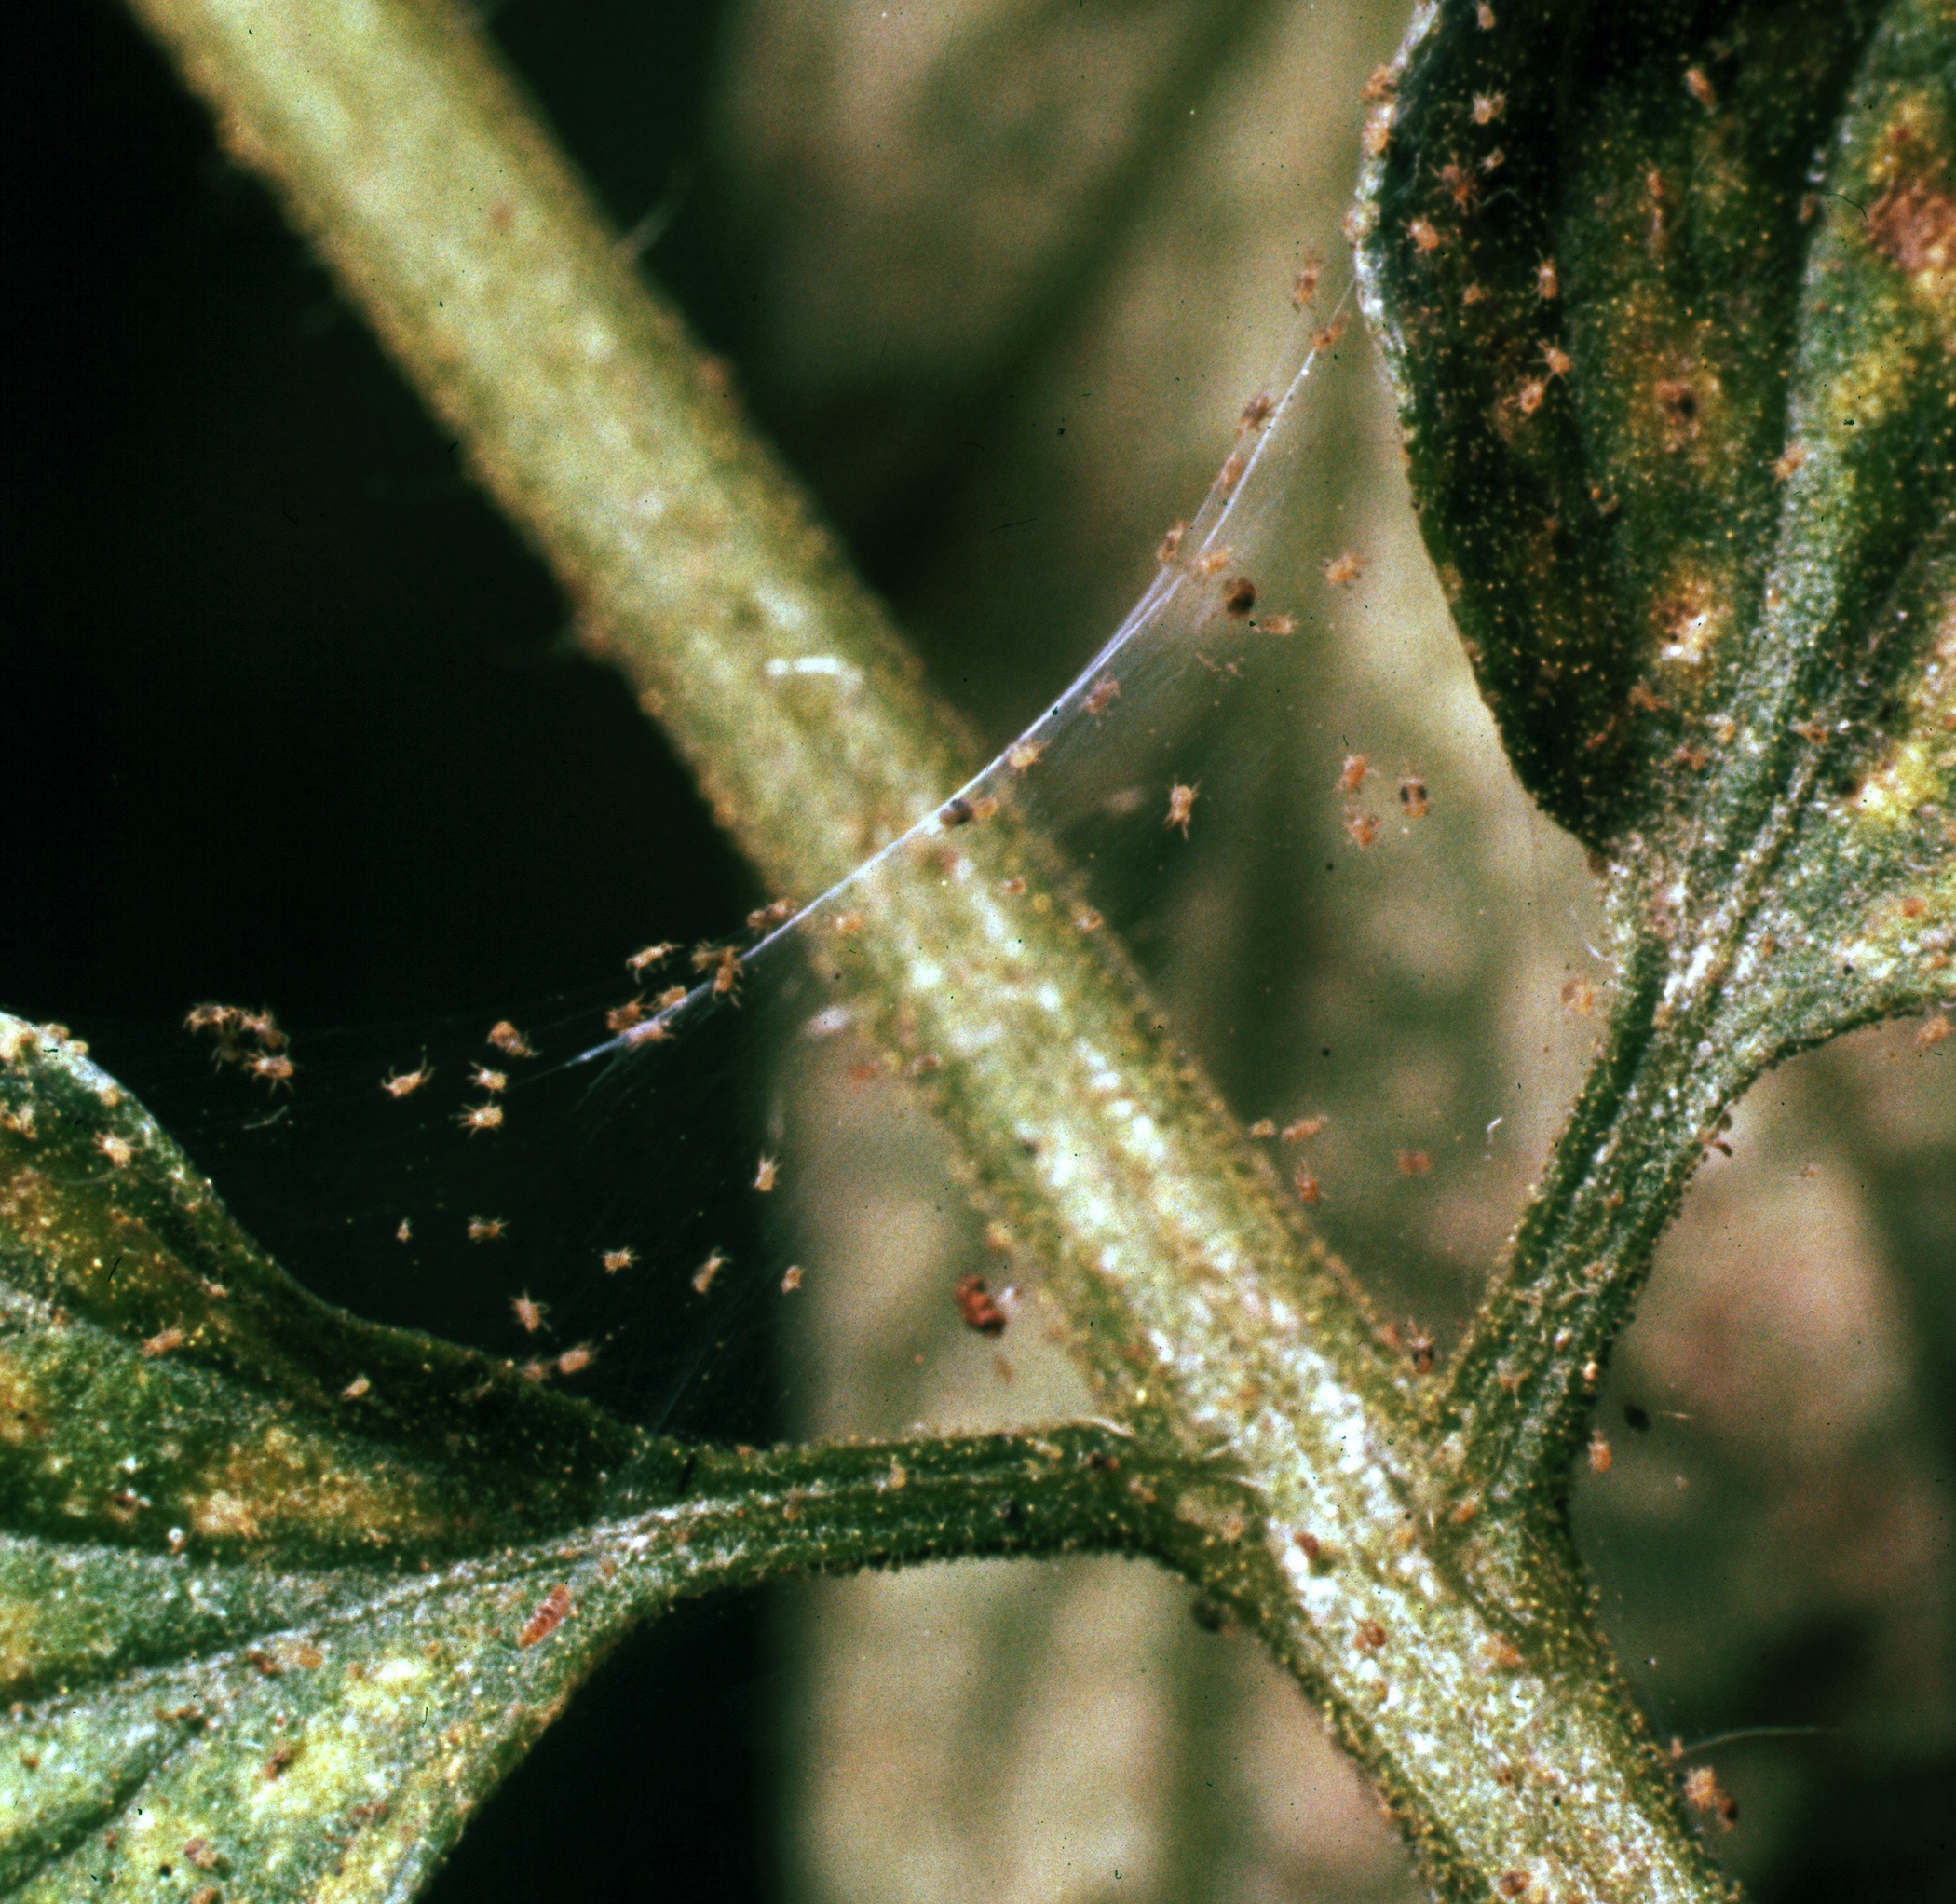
[[284, 1594], [1668, 292]]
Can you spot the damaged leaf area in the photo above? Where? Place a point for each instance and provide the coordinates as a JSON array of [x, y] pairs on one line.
[[165, 1386], [284, 1595], [1668, 295]]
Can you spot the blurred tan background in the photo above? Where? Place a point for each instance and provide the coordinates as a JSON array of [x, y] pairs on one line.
[[1025, 261]]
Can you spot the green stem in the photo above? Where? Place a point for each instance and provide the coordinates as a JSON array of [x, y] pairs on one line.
[[1522, 1390], [744, 1518], [1183, 1277]]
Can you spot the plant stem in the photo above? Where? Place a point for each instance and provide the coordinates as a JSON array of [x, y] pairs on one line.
[[1522, 1388], [1192, 1293]]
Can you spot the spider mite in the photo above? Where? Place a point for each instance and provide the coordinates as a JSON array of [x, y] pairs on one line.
[[1306, 1186], [263, 1027], [725, 961], [770, 915], [547, 1618], [1306, 287], [487, 1229], [1230, 474], [1239, 597], [703, 1276], [1703, 1793], [1278, 624], [977, 1305], [616, 1259], [576, 1359], [220, 1018], [791, 1279], [1170, 545], [1413, 801], [1213, 563], [1304, 1128], [484, 1078], [763, 1176], [1102, 694], [1342, 570], [505, 1037], [1023, 755], [480, 1117], [1351, 775], [1488, 107], [1362, 828], [1548, 285], [1255, 413], [623, 1017], [404, 1083], [275, 1068], [529, 1311], [956, 812], [1181, 804]]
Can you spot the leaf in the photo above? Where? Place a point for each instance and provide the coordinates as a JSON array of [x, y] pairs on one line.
[[284, 1594], [1668, 292]]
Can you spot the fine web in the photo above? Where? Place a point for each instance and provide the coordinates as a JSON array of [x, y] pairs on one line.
[[599, 1185]]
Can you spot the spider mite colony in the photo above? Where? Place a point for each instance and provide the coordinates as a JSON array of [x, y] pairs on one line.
[[1212, 607]]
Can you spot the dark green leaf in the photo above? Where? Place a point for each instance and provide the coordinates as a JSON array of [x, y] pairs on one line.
[[1669, 294]]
